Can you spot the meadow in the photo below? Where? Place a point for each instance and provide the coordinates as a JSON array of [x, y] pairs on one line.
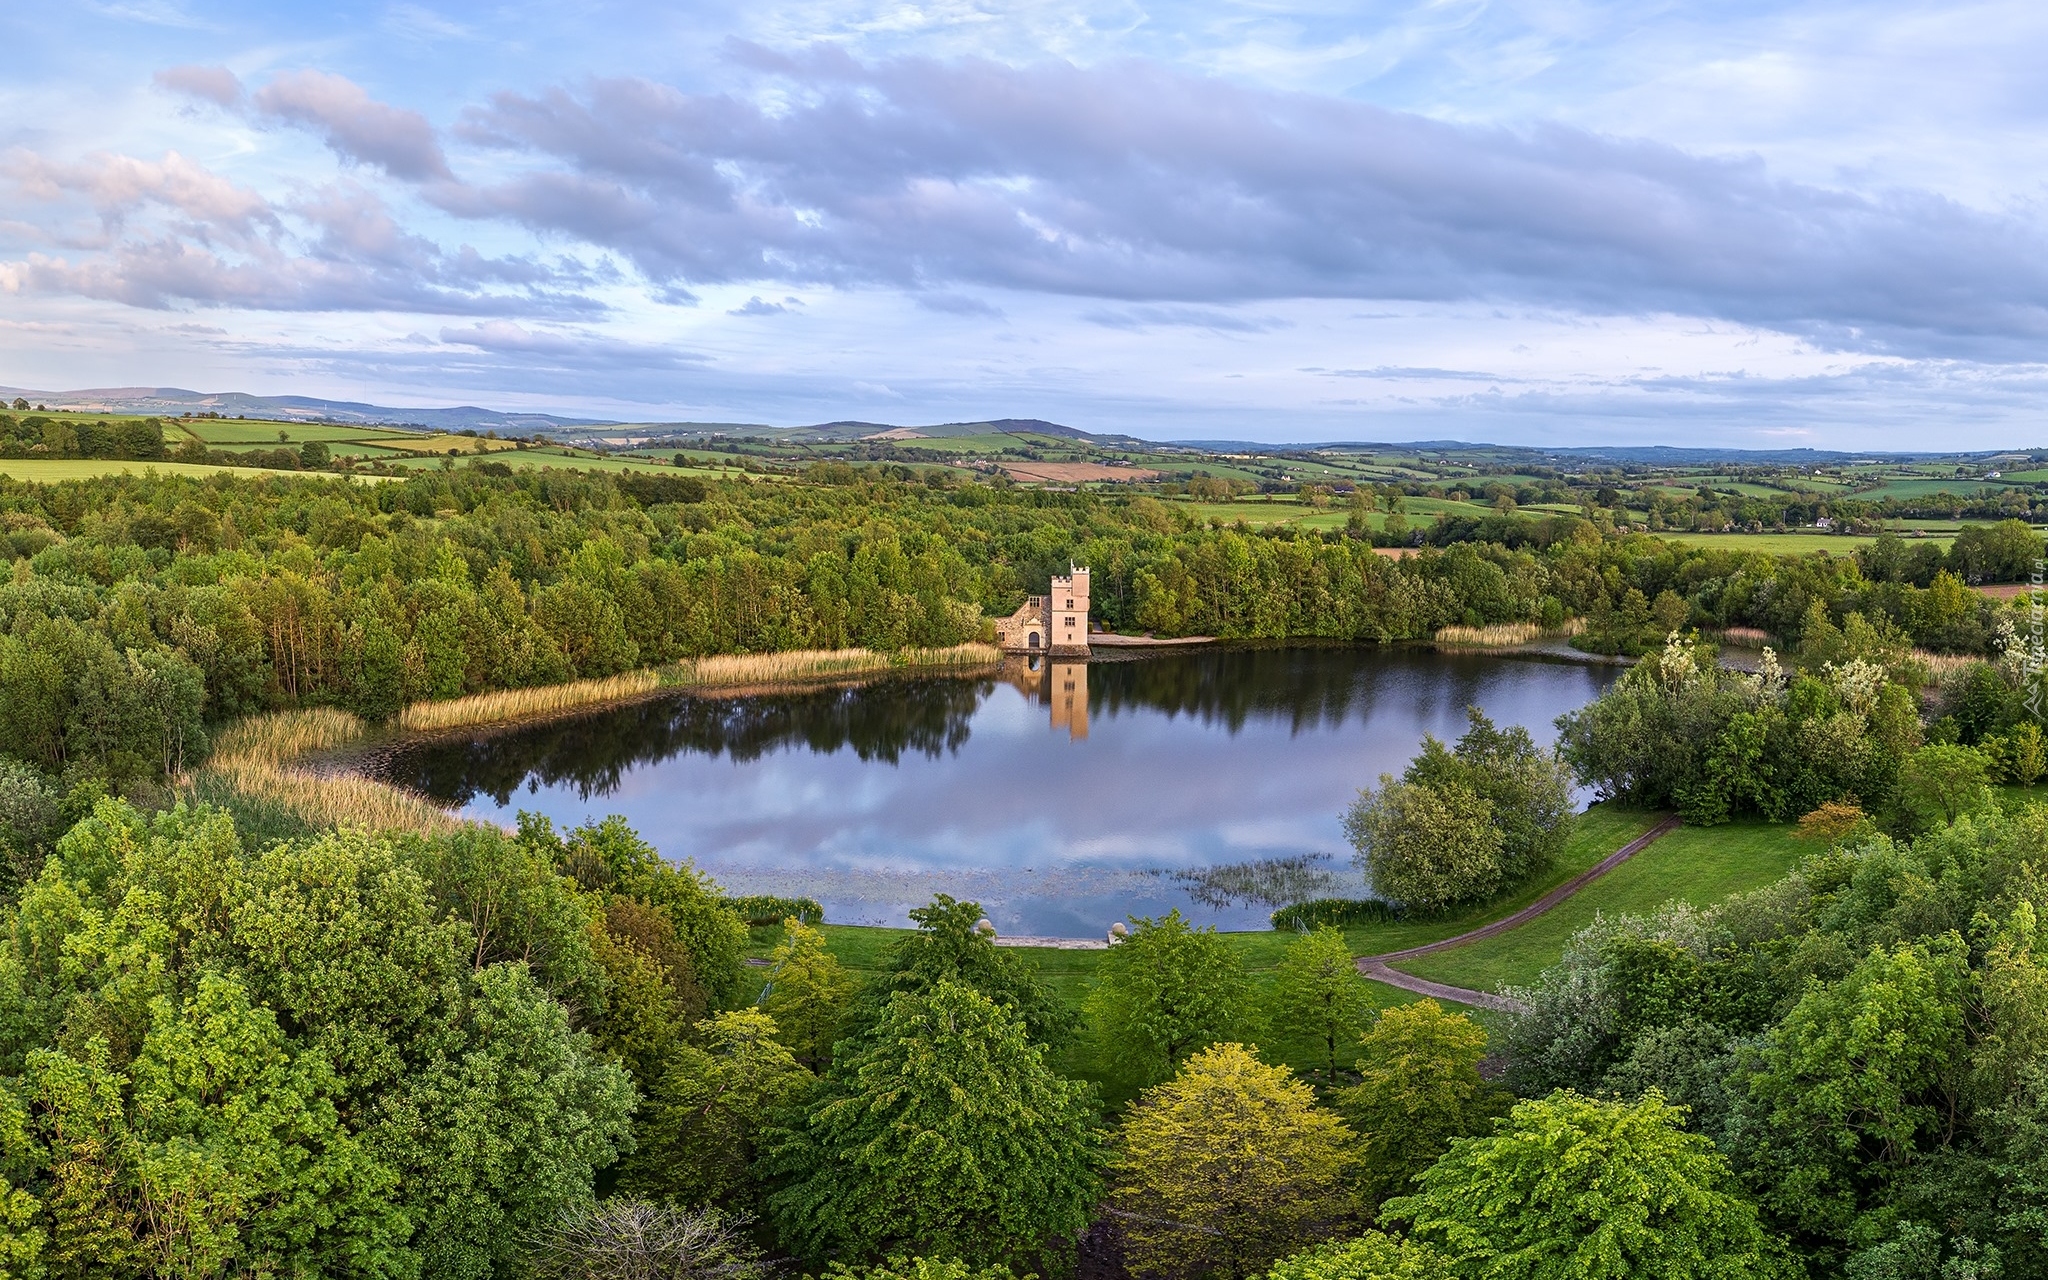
[[1700, 865]]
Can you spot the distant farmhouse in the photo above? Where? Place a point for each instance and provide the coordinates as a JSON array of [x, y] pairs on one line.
[[1056, 623]]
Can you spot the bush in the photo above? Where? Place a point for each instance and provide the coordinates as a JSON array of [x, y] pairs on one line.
[[760, 910], [1306, 917]]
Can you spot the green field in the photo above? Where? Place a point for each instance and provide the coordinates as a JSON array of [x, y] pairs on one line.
[[56, 470], [1698, 864], [1906, 489], [1288, 510], [222, 431], [1792, 543]]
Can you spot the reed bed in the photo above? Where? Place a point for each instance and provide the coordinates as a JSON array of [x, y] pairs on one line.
[[824, 664], [1744, 637], [255, 757], [1500, 635], [281, 737], [1942, 665], [335, 800], [525, 704]]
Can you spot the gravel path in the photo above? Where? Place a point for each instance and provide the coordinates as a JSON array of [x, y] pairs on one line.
[[1378, 967]]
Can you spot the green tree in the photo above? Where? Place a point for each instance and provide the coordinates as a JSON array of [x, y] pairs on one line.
[[1320, 997], [949, 946], [1530, 789], [1419, 1089], [807, 994], [699, 1125], [1372, 1256], [1943, 782], [1163, 994], [610, 857], [1426, 847], [314, 456], [1572, 1188], [2029, 753], [1226, 1167], [944, 1130], [1857, 1082]]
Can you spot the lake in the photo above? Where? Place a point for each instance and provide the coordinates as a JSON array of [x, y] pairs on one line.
[[1061, 796]]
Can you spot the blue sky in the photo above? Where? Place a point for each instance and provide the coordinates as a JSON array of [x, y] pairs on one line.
[[1754, 224]]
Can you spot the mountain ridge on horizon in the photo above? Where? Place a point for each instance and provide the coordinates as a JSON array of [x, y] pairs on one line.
[[173, 400]]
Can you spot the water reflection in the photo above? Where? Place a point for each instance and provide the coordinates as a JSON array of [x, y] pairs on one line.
[[1062, 795]]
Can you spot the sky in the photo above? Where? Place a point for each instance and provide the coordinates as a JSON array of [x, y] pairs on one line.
[[1554, 222]]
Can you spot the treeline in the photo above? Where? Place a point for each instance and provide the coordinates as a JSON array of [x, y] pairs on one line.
[[140, 610], [1841, 734], [37, 436], [481, 1054]]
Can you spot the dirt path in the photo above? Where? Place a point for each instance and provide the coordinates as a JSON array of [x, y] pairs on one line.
[[1378, 967]]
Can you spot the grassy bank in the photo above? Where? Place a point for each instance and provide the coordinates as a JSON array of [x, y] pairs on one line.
[[1700, 865]]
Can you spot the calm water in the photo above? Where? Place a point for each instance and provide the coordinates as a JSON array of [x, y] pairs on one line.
[[1061, 798]]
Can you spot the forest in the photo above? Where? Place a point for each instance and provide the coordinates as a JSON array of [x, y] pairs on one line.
[[236, 1049]]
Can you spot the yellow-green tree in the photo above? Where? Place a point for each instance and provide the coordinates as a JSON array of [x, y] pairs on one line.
[[1372, 1256], [1320, 999], [807, 994], [1226, 1167], [1419, 1088]]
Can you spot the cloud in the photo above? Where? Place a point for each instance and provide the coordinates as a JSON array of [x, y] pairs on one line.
[[170, 231], [957, 304], [1138, 318], [573, 348], [1135, 183], [217, 85], [356, 126], [119, 186], [755, 307]]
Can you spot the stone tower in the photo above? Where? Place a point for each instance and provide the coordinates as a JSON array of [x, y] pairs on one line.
[[1055, 623], [1066, 612]]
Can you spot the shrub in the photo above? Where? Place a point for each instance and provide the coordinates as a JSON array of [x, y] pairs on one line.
[[1304, 917], [760, 910]]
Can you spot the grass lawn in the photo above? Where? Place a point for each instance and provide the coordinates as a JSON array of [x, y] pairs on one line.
[[1601, 831], [217, 431], [1699, 864]]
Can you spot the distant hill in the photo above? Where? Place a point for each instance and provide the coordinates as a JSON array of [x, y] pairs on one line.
[[172, 401]]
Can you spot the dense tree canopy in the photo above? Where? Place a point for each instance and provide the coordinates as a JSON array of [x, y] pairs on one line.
[[944, 1132]]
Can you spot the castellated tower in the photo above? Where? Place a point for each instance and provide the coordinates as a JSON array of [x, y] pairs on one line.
[[1066, 612], [1056, 623]]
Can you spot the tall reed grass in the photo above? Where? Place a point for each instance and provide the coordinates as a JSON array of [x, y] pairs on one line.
[[525, 704], [281, 737], [255, 757], [825, 664], [1503, 635]]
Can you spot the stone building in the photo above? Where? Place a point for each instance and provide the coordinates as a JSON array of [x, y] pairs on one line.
[[1054, 623]]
